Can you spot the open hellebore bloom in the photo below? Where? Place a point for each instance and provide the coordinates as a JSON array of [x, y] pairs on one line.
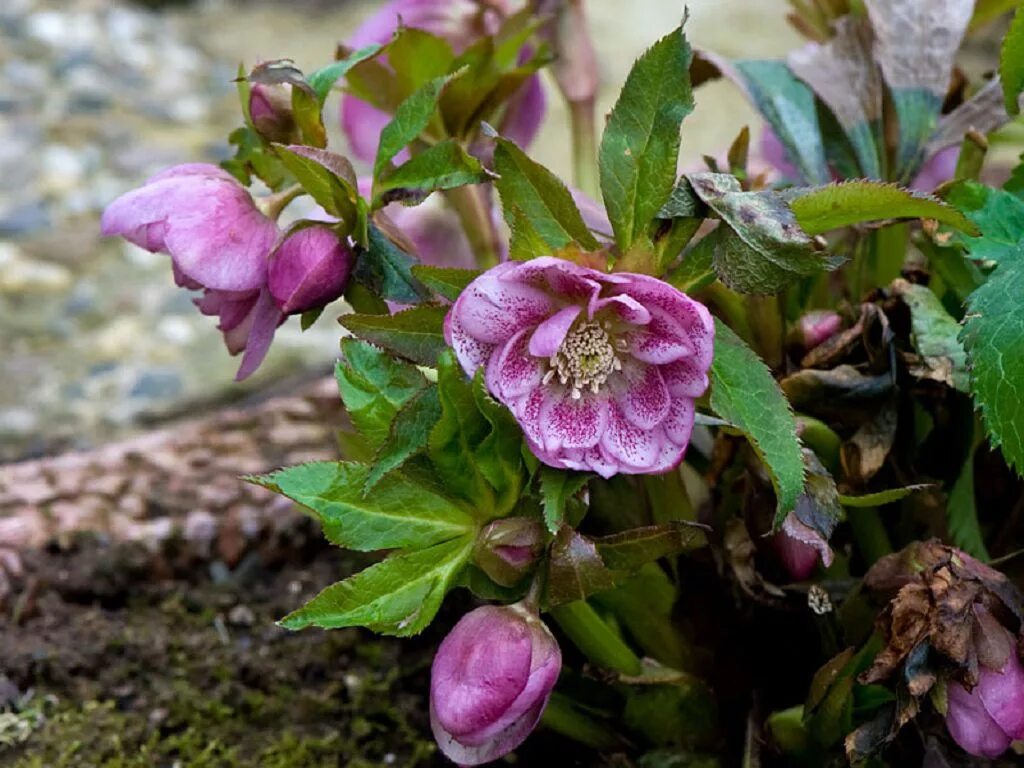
[[600, 370], [460, 22], [490, 681], [984, 720]]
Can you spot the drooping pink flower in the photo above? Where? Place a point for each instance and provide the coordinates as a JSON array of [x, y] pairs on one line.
[[984, 720], [799, 548], [600, 370], [309, 269], [490, 681], [460, 22]]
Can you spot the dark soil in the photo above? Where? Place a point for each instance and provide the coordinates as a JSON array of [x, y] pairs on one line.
[[114, 658]]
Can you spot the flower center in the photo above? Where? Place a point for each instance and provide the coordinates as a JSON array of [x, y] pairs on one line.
[[585, 359]]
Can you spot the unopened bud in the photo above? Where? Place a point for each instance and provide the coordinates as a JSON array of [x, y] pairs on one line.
[[507, 549]]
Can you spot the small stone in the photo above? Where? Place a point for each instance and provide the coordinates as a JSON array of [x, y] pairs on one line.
[[19, 274], [241, 616]]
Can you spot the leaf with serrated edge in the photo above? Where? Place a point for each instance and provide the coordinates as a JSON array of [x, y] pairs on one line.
[[416, 334], [443, 166], [821, 209], [446, 282], [744, 393], [397, 514], [556, 487], [386, 270], [631, 549], [575, 569], [640, 145], [324, 78], [327, 178], [998, 214], [408, 435], [398, 596]]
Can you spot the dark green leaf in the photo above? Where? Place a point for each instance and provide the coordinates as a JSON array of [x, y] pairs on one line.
[[696, 270], [818, 506], [556, 488], [934, 334], [541, 197], [499, 455], [328, 178], [324, 78], [398, 596], [446, 282], [411, 119], [407, 436], [998, 214], [374, 388], [833, 206], [398, 514], [629, 550], [386, 270], [309, 317], [417, 57], [416, 334], [962, 510], [682, 203], [744, 393], [640, 146], [442, 166], [575, 569]]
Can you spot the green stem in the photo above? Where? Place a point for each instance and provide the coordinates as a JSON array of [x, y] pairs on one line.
[[564, 718], [598, 642], [869, 532], [273, 205], [765, 316], [821, 439], [474, 212], [584, 147]]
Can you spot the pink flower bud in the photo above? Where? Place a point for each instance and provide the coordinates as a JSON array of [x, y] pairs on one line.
[[984, 720], [490, 682], [799, 547], [308, 270], [938, 168], [508, 549], [270, 108], [816, 327]]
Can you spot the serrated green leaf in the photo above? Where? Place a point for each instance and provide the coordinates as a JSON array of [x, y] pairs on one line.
[[446, 282], [398, 596], [327, 177], [998, 214], [640, 145], [386, 270], [374, 387], [881, 497], [324, 78], [556, 488], [499, 455], [1011, 63], [525, 242], [442, 166], [629, 550], [417, 56], [411, 119], [821, 209], [541, 197], [398, 514], [934, 334], [416, 334], [696, 269], [744, 393], [408, 434]]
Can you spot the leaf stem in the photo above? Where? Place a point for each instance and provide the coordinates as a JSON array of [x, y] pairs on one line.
[[584, 147], [562, 717], [869, 532], [592, 635], [474, 211], [273, 205]]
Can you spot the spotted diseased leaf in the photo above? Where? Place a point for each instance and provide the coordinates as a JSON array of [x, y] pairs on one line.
[[398, 514], [935, 337], [398, 596], [529, 189], [415, 334], [374, 387], [1011, 64], [640, 146], [744, 393], [821, 209]]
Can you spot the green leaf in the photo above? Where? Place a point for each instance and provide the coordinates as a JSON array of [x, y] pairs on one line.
[[416, 334], [744, 393], [310, 316], [398, 596], [640, 146], [411, 119], [500, 454], [962, 510], [374, 387], [397, 514], [575, 569], [541, 197], [764, 249], [417, 57], [696, 269], [821, 209], [993, 335], [880, 498], [556, 488], [1011, 63], [327, 177], [629, 550], [446, 282], [934, 334], [818, 506], [998, 214], [408, 434], [386, 270], [443, 166], [324, 78]]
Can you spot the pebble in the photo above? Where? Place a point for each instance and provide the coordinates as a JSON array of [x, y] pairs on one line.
[[20, 274]]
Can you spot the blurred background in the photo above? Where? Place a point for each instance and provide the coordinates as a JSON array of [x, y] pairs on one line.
[[95, 340]]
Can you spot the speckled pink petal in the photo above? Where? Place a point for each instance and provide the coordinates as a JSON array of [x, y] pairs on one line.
[[514, 371], [550, 334], [691, 315], [661, 341], [640, 394], [567, 423], [684, 379], [637, 448], [623, 307], [493, 310], [678, 425], [527, 411], [470, 352]]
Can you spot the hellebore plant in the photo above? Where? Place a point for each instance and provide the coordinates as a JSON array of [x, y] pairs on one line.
[[720, 429]]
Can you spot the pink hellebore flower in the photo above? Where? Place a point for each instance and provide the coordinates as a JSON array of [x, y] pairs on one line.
[[816, 327], [309, 269], [460, 22], [985, 720], [600, 370], [490, 681]]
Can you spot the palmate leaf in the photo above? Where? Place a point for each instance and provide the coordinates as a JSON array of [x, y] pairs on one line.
[[744, 393], [398, 596], [640, 145], [397, 514]]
